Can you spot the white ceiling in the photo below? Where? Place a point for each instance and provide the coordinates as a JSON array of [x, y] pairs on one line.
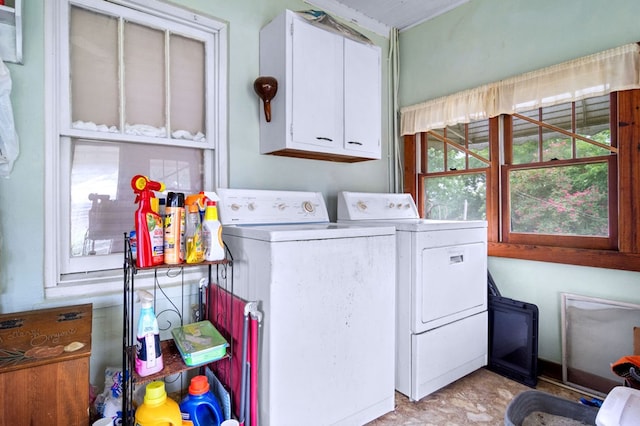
[[380, 16]]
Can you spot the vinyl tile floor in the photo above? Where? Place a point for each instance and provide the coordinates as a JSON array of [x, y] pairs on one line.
[[479, 399]]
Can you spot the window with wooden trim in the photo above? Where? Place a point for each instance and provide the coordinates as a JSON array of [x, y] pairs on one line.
[[562, 182], [455, 162], [559, 172]]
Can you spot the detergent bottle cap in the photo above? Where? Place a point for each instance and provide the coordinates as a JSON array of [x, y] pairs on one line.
[[155, 393], [146, 298], [211, 212], [193, 208], [199, 385]]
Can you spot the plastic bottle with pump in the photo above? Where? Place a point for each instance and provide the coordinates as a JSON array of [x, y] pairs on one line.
[[157, 409], [212, 234], [194, 246], [149, 229], [200, 407], [148, 352]]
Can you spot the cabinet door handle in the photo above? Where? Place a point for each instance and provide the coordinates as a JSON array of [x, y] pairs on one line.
[[355, 143], [322, 138]]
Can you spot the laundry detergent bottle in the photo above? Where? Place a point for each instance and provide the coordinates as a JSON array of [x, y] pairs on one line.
[[148, 353], [200, 407], [157, 409]]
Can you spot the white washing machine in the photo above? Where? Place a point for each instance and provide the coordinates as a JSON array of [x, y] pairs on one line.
[[327, 292], [441, 293]]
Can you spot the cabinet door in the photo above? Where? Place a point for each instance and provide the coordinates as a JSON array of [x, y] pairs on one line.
[[316, 87], [362, 98]]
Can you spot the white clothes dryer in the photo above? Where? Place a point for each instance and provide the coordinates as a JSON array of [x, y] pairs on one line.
[[327, 292], [441, 290]]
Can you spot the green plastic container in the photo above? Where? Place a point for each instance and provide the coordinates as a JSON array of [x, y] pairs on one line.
[[199, 343]]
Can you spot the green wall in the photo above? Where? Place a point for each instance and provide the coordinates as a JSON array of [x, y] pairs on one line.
[[487, 40], [22, 202], [479, 42]]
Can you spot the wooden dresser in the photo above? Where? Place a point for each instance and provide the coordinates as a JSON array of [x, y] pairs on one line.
[[44, 366]]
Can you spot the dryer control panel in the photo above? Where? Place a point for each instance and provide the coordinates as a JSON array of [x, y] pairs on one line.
[[375, 206]]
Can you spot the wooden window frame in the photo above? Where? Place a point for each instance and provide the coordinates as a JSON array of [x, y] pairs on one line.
[[625, 128], [570, 241], [448, 171], [604, 243]]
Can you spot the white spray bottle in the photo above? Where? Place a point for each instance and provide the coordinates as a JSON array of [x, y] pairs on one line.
[[148, 353], [212, 234]]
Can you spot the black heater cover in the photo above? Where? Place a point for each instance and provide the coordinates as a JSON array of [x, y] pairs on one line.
[[513, 338]]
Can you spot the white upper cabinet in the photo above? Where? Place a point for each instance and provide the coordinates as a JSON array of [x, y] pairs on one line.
[[362, 98], [329, 93]]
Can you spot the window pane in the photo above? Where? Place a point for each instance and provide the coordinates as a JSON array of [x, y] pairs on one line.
[[479, 143], [586, 149], [593, 119], [525, 140], [144, 80], [94, 68], [102, 201], [593, 122], [588, 118], [456, 159], [456, 197], [567, 200], [435, 154], [456, 134], [187, 87], [556, 146], [558, 116]]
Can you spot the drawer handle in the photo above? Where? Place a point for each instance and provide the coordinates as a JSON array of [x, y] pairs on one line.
[[322, 138], [458, 258], [355, 143]]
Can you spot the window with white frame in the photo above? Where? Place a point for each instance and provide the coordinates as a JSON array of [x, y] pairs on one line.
[[133, 87]]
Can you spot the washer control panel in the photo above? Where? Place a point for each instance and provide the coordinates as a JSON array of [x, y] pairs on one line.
[[263, 207], [375, 206]]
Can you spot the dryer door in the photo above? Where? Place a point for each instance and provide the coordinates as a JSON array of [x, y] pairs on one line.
[[452, 284]]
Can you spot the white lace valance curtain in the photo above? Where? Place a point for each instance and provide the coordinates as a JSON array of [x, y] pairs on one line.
[[594, 75]]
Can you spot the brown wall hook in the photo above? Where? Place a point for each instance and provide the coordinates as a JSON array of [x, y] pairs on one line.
[[266, 87]]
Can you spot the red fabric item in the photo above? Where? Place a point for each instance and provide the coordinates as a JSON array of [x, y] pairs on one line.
[[226, 313]]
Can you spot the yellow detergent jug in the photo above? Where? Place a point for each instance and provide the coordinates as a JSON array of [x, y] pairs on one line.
[[157, 409]]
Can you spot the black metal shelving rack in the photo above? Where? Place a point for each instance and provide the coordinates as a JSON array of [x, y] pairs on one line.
[[173, 363]]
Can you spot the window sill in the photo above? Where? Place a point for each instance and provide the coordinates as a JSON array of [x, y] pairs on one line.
[[609, 259], [106, 289]]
